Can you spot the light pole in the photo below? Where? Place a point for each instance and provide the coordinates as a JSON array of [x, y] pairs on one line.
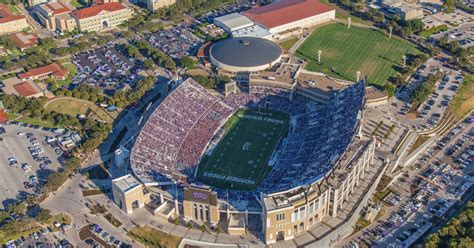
[[349, 22], [319, 56], [358, 76], [404, 58], [390, 29]]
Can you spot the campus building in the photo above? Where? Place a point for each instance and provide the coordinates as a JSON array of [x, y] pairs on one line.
[[24, 41], [283, 17], [278, 20], [245, 54], [50, 15], [153, 5], [129, 193], [24, 88], [9, 22], [201, 204], [101, 17], [52, 70]]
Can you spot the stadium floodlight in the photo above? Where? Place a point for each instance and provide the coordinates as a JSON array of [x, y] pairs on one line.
[[319, 56], [349, 22], [358, 76], [404, 58], [390, 29]]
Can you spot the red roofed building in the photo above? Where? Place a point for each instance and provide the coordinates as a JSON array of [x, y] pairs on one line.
[[24, 41], [285, 15], [101, 17], [50, 14], [9, 22], [53, 70], [25, 88]]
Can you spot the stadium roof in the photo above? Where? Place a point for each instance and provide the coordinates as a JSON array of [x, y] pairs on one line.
[[283, 12], [245, 51], [233, 21]]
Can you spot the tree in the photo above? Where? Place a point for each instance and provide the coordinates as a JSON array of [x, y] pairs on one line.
[[186, 62], [43, 216], [18, 208], [389, 89], [148, 63], [449, 5]]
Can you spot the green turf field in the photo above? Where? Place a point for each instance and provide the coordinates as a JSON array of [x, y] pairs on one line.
[[240, 159], [356, 49]]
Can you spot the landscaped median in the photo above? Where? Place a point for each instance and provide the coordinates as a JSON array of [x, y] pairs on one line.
[[463, 101], [428, 32], [151, 237]]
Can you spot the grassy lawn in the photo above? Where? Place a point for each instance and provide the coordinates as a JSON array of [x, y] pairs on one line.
[[14, 230], [13, 9], [70, 106], [288, 44], [91, 192], [72, 71], [114, 221], [76, 3], [418, 142], [347, 51], [240, 160], [380, 195], [463, 101], [33, 121], [151, 237]]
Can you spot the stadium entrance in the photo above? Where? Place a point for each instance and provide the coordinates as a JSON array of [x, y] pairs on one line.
[[200, 204]]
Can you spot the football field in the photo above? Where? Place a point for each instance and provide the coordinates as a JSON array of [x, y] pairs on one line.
[[344, 51], [240, 159]]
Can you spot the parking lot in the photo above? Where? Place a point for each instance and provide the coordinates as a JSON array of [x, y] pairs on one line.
[[464, 34], [431, 111], [25, 161], [229, 9], [425, 190], [176, 42], [107, 68]]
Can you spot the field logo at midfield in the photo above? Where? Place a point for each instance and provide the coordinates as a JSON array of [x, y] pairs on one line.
[[229, 178]]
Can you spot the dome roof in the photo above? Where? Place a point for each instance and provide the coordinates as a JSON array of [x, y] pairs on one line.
[[245, 51]]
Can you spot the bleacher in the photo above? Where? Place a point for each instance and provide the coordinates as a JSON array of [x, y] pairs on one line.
[[178, 132]]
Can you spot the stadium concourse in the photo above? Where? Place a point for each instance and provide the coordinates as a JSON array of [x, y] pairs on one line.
[[172, 142]]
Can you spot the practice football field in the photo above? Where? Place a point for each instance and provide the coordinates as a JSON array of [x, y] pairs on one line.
[[348, 50], [240, 159]]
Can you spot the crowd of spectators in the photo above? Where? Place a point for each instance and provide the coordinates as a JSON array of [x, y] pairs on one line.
[[176, 135]]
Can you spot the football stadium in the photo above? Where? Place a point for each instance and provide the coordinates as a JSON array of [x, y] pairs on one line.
[[278, 151], [259, 150]]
